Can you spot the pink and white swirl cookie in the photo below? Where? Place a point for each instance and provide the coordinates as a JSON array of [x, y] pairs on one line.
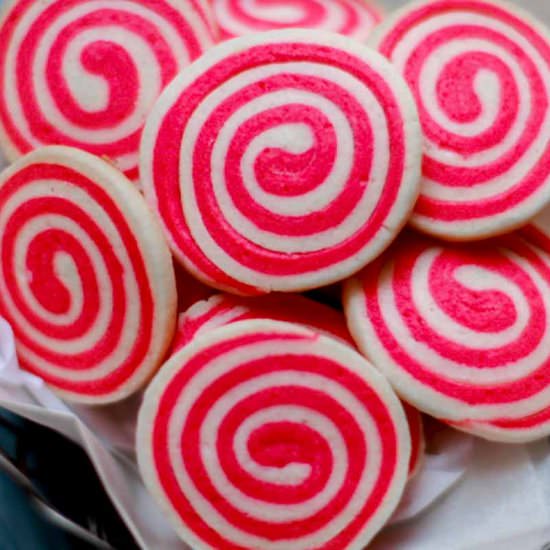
[[353, 18], [480, 73], [461, 331], [86, 277], [86, 73], [282, 161], [224, 309], [263, 434]]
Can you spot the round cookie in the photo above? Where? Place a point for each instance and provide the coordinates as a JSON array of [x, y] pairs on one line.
[[224, 309], [461, 331], [86, 73], [480, 73], [86, 277], [353, 18], [282, 161], [263, 434]]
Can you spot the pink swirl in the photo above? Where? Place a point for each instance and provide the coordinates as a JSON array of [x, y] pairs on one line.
[[250, 211], [76, 282], [268, 450], [480, 74], [461, 331], [85, 74], [224, 309]]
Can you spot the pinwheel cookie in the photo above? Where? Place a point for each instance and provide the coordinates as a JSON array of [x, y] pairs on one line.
[[86, 278], [480, 73], [462, 331], [282, 161], [224, 309], [86, 73], [263, 434]]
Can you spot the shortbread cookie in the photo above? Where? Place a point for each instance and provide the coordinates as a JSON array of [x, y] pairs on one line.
[[86, 73], [263, 434], [86, 278], [282, 161], [480, 73]]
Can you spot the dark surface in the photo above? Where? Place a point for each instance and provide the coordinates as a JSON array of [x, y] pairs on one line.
[[62, 478]]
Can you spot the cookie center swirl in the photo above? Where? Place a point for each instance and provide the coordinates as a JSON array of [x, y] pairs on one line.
[[288, 453], [292, 167], [94, 82], [68, 260], [469, 292], [298, 158], [480, 77], [74, 284], [480, 93], [55, 263], [104, 93]]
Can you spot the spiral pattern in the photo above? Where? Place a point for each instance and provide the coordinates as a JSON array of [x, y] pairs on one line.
[[86, 279], [222, 309], [353, 18], [461, 331], [266, 435], [85, 73], [282, 161], [480, 73]]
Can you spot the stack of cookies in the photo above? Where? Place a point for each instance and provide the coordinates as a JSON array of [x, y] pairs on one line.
[[184, 170]]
